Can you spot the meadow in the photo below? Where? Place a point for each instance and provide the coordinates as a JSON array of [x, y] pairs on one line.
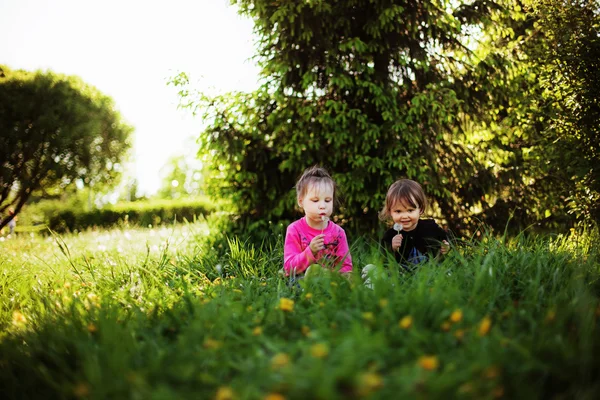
[[186, 312]]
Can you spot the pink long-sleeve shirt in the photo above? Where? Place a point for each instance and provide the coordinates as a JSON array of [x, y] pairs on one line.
[[296, 250]]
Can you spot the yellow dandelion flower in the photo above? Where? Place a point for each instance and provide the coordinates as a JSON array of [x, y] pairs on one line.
[[257, 331], [280, 360], [368, 316], [224, 393], [211, 344], [406, 322], [383, 303], [305, 330], [274, 396], [445, 326], [308, 296], [429, 363], [92, 328], [319, 350], [456, 316], [286, 304], [18, 318], [459, 334], [484, 326], [369, 382]]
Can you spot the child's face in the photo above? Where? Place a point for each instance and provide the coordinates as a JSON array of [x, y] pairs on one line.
[[317, 203], [406, 215]]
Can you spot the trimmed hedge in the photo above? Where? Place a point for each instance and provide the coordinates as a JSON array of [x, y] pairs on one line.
[[142, 213]]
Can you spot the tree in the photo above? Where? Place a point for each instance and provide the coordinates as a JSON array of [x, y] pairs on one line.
[[566, 53], [374, 90], [54, 130], [179, 178], [542, 134]]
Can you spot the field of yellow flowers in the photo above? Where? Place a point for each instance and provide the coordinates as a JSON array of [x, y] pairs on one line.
[[167, 313]]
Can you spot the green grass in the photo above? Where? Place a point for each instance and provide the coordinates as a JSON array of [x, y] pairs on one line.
[[174, 313]]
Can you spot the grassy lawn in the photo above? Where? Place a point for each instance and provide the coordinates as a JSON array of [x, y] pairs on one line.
[[168, 313]]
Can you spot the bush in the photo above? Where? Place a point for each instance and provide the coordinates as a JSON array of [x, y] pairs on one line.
[[138, 214]]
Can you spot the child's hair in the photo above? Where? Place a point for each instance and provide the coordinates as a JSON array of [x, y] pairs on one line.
[[314, 176], [405, 191]]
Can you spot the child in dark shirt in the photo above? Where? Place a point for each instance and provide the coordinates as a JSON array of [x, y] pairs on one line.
[[411, 240]]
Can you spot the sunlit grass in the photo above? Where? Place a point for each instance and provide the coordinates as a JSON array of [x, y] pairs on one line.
[[169, 313]]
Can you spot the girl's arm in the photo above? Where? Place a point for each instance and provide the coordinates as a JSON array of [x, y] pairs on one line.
[[386, 241], [438, 241], [295, 258], [343, 251]]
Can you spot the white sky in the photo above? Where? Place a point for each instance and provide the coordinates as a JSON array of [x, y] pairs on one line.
[[128, 49]]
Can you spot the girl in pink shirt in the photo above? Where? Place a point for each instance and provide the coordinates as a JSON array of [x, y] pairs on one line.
[[315, 239]]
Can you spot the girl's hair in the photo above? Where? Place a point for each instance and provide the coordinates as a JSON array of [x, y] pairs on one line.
[[314, 176], [404, 191]]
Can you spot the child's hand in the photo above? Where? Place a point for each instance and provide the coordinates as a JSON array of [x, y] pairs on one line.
[[445, 248], [318, 243], [396, 242]]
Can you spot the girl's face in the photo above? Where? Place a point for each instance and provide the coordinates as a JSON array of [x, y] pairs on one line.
[[406, 215], [316, 203]]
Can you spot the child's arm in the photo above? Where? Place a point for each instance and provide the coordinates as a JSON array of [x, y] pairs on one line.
[[445, 247], [441, 239], [343, 251], [295, 258], [386, 241]]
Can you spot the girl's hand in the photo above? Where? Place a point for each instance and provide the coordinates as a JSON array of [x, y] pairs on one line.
[[318, 243], [396, 242], [445, 248]]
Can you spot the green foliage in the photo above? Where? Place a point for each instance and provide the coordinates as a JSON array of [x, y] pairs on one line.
[[149, 316], [567, 54], [492, 106], [345, 88], [541, 136], [54, 130], [179, 179], [139, 213]]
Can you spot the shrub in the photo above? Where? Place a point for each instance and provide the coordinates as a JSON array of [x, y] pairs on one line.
[[137, 213]]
